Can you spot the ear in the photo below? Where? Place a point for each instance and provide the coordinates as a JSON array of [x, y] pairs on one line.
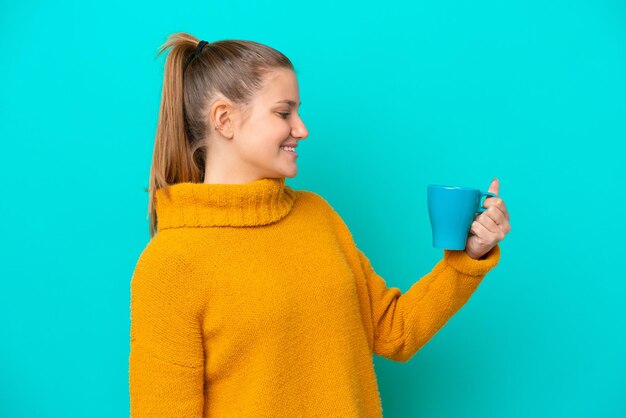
[[222, 117]]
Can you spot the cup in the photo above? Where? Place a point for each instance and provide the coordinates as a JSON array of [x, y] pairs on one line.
[[452, 210]]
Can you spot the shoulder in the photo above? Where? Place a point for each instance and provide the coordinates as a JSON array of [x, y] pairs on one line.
[[324, 207], [163, 287], [307, 196], [317, 202], [163, 259]]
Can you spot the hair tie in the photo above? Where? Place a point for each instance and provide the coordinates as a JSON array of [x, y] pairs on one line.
[[200, 45], [195, 52]]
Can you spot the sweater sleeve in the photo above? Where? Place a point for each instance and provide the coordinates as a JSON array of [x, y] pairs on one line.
[[397, 324], [166, 360], [403, 323]]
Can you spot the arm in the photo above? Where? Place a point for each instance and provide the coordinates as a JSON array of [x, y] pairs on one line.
[[398, 325], [403, 323], [166, 361]]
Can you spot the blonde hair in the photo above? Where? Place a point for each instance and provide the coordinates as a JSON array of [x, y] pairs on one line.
[[233, 69]]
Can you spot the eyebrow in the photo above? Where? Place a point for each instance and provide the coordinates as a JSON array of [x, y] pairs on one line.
[[291, 102]]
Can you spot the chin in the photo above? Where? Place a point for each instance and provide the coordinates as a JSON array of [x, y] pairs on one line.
[[290, 173]]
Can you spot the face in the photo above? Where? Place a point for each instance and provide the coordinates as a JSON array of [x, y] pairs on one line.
[[255, 146]]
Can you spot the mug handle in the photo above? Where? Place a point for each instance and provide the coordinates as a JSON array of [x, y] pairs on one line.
[[488, 194]]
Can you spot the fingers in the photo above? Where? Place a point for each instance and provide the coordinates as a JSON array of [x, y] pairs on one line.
[[486, 220], [497, 203], [480, 230], [495, 222]]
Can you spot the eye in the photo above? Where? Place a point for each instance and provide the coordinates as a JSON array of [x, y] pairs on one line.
[[284, 115]]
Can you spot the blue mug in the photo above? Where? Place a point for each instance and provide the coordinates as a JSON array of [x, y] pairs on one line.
[[452, 210]]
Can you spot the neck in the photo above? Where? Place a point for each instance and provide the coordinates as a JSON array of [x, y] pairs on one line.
[[219, 175], [222, 167]]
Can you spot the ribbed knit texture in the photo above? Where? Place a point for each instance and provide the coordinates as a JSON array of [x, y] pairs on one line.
[[253, 300]]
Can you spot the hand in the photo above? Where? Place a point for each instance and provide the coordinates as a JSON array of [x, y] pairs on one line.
[[489, 227]]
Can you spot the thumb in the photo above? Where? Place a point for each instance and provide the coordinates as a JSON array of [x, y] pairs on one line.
[[494, 187]]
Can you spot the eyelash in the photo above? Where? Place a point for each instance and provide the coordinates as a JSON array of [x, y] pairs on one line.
[[284, 115]]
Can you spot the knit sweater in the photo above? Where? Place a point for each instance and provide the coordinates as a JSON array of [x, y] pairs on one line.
[[253, 300]]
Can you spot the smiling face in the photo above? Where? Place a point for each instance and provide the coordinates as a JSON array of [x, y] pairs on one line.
[[243, 150]]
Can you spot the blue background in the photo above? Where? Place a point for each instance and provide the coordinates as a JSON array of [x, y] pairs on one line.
[[396, 95]]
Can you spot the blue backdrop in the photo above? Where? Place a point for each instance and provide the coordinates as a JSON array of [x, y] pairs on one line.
[[396, 95]]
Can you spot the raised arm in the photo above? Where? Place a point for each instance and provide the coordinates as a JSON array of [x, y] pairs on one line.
[[398, 325]]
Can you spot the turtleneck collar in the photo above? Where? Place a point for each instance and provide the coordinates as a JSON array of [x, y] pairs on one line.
[[259, 202]]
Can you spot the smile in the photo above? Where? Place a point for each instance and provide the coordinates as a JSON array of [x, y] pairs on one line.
[[290, 150]]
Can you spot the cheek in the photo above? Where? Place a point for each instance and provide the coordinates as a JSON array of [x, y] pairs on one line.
[[264, 146], [281, 130], [276, 135]]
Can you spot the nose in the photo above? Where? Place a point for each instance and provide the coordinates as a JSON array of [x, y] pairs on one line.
[[299, 130]]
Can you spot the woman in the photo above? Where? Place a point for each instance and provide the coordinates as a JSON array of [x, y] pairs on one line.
[[252, 299]]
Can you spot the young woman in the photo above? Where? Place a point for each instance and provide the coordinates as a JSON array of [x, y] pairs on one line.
[[252, 298]]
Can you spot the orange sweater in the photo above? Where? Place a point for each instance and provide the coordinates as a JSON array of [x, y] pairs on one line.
[[253, 300]]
